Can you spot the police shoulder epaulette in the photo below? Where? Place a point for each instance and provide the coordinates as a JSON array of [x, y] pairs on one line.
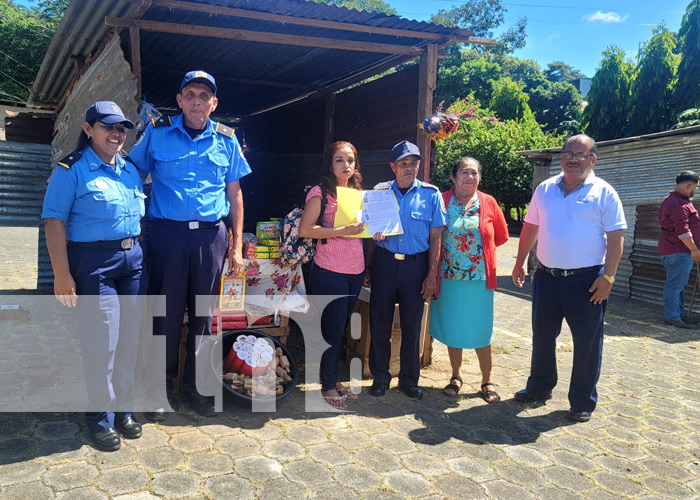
[[224, 130], [163, 121], [427, 185], [69, 160], [383, 185]]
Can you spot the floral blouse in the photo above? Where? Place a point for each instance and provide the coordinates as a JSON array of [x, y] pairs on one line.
[[463, 255]]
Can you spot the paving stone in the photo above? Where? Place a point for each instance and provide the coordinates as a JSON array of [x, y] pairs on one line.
[[667, 453], [489, 435], [553, 493], [21, 472], [667, 470], [49, 431], [668, 488], [238, 446], [423, 464], [623, 450], [123, 480], [369, 425], [580, 446], [454, 486], [229, 487], [102, 460], [377, 459], [568, 479], [141, 495], [617, 484], [63, 450], [70, 475], [503, 490], [27, 491], [356, 477], [519, 474], [175, 484], [601, 495], [383, 495], [307, 435], [307, 472], [258, 468], [210, 464], [330, 454], [332, 492], [189, 442], [219, 430], [481, 451], [280, 489], [442, 450], [15, 423], [407, 483], [267, 432], [620, 465], [329, 423], [283, 450], [472, 469], [88, 493], [152, 437], [527, 456], [18, 447], [393, 443], [626, 435], [160, 459], [348, 439], [572, 461]]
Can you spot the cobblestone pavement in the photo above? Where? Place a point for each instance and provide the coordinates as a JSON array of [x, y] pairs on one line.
[[18, 257], [643, 441]]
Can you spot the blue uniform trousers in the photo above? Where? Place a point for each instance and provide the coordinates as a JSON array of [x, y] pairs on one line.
[[395, 281], [553, 300], [184, 263], [110, 284]]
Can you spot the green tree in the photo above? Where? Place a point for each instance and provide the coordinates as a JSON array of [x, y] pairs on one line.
[[686, 93], [368, 5], [688, 118], [474, 76], [650, 104], [50, 11], [559, 71], [509, 101], [605, 117], [482, 17], [505, 174], [557, 106]]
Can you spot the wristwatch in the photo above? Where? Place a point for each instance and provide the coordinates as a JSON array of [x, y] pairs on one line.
[[609, 279]]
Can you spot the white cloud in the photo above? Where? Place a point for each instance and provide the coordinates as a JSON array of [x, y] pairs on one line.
[[605, 17]]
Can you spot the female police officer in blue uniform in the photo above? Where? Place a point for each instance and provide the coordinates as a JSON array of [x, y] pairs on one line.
[[92, 211]]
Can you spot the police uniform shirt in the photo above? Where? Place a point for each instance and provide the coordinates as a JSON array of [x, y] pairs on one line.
[[189, 175], [421, 209], [96, 201]]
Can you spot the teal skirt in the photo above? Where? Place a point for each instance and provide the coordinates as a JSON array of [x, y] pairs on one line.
[[462, 315]]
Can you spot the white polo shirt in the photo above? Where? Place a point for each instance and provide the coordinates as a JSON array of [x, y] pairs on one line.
[[572, 227]]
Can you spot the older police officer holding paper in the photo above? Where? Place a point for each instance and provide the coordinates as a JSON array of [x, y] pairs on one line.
[[195, 165], [403, 270]]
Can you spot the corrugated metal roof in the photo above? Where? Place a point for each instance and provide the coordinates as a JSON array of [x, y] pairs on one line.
[[285, 72]]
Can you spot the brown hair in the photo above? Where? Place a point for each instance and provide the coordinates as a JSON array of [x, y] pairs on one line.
[[328, 180]]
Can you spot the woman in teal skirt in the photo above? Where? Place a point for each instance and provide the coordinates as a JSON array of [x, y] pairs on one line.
[[462, 315]]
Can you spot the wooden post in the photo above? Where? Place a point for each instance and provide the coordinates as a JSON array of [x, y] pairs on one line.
[[329, 123], [427, 81], [135, 42]]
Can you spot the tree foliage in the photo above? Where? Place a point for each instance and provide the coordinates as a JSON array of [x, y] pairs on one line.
[[505, 174], [605, 117], [688, 118], [650, 103], [559, 71], [368, 5], [686, 93], [557, 106], [508, 100]]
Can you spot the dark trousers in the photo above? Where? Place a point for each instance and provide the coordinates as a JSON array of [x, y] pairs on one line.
[[335, 316], [553, 300], [395, 281], [110, 284], [185, 264]]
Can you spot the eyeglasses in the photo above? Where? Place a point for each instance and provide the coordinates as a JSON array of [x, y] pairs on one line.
[[567, 155]]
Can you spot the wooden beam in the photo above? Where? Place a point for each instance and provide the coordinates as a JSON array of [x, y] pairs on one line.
[[139, 8], [427, 75], [263, 37], [237, 79], [329, 122], [135, 43], [460, 35]]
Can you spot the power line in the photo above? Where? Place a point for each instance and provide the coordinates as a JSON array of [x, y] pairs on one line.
[[10, 95], [14, 80], [15, 60]]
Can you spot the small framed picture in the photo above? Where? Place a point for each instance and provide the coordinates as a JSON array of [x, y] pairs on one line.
[[232, 296]]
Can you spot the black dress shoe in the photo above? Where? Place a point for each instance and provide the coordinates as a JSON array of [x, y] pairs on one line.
[[378, 389], [579, 416], [106, 440], [678, 323], [158, 415], [690, 320], [412, 391], [129, 428], [202, 405], [526, 396]]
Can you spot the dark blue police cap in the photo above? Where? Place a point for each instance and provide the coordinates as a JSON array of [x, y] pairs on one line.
[[107, 112], [199, 77], [404, 149]]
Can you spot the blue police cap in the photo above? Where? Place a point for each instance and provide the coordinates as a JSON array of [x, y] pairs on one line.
[[199, 77], [404, 149], [107, 112]]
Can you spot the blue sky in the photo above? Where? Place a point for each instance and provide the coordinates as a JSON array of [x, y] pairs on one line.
[[574, 32]]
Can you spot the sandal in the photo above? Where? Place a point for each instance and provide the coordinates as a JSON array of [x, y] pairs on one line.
[[345, 391], [489, 396], [335, 401], [451, 389]]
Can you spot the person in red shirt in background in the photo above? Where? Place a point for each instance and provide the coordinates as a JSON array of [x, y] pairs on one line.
[[678, 246]]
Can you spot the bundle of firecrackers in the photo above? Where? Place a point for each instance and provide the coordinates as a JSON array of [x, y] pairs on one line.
[[439, 126], [255, 369], [268, 240]]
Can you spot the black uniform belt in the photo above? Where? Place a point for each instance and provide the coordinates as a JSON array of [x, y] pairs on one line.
[[565, 273], [403, 256], [188, 224], [124, 244]]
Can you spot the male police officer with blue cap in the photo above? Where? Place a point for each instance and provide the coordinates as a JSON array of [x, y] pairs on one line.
[[195, 165], [404, 270]]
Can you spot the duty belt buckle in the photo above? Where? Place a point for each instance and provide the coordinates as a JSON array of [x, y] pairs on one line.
[[566, 273], [127, 243], [400, 256], [194, 224]]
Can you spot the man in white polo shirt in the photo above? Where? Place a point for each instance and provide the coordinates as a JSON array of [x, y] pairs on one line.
[[578, 220]]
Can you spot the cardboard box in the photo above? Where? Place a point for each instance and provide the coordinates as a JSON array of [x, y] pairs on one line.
[[269, 230]]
